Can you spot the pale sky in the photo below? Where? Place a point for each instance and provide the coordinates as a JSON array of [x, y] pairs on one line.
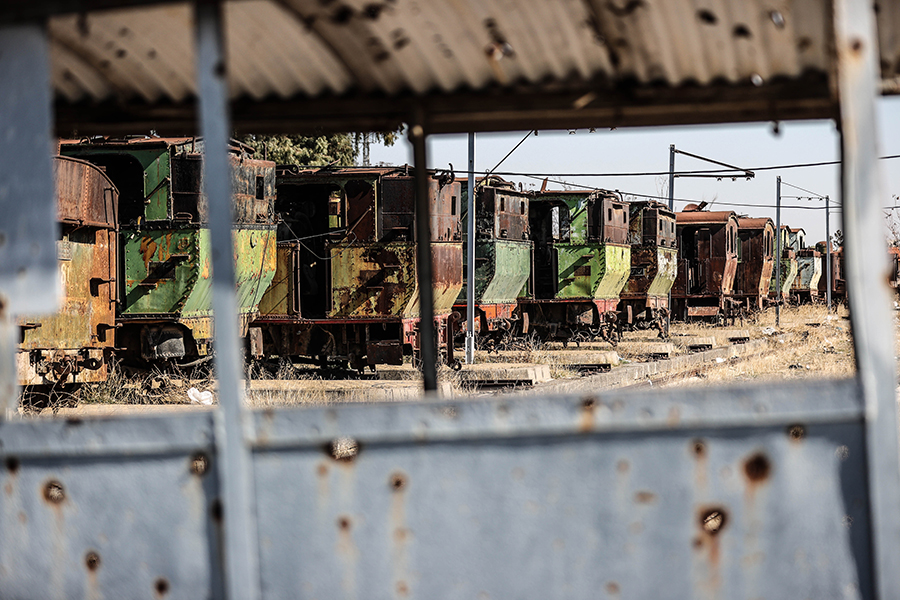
[[647, 149]]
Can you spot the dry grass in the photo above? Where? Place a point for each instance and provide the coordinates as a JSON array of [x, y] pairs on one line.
[[808, 343]]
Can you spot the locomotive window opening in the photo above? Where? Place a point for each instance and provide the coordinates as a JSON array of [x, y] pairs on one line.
[[521, 207], [128, 175], [306, 214], [187, 193], [453, 206], [502, 204], [260, 188]]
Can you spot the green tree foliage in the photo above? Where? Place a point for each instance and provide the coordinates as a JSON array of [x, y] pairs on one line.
[[304, 150], [341, 149]]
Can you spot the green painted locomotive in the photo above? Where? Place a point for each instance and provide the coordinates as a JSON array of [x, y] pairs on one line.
[[163, 273], [582, 260], [503, 252]]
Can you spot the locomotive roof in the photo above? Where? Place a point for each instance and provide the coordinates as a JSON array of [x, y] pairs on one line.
[[755, 222], [704, 216], [148, 141], [303, 171]]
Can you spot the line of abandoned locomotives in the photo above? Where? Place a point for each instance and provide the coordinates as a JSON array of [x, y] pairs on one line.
[[326, 263]]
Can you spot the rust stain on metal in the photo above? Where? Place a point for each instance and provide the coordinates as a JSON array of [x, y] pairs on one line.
[[587, 416], [645, 497]]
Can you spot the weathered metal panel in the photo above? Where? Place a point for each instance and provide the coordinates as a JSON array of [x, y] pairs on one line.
[[281, 298], [162, 268], [372, 280], [447, 264], [501, 269], [737, 493]]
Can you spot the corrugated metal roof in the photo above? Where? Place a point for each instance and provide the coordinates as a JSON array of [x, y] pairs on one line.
[[578, 55]]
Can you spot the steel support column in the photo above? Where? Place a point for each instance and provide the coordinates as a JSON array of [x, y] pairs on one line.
[[778, 252], [427, 339], [828, 254], [28, 232], [241, 546], [470, 256], [867, 276]]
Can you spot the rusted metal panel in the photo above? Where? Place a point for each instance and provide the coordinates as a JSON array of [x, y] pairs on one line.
[[371, 280]]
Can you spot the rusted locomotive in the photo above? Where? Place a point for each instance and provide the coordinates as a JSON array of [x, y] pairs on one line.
[[838, 283], [345, 290], [707, 264], [74, 345], [644, 302], [582, 260], [163, 262], [503, 251], [756, 262]]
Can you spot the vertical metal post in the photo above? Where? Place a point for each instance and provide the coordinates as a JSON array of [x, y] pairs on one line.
[[427, 339], [778, 251], [672, 208], [828, 253], [470, 256], [29, 279], [672, 177], [241, 567], [865, 257]]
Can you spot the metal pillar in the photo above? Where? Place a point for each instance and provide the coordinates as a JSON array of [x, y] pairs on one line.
[[470, 257], [672, 208], [232, 431], [868, 292], [827, 254], [427, 339], [28, 231], [778, 251]]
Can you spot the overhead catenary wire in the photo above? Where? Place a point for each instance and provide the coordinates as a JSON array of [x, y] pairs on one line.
[[724, 173]]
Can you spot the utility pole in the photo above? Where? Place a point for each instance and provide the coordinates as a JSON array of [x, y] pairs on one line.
[[827, 254], [778, 297], [470, 255]]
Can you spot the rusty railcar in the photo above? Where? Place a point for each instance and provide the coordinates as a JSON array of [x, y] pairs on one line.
[[165, 311], [346, 285], [838, 282], [644, 302], [582, 260], [756, 248], [503, 250], [75, 344], [707, 264]]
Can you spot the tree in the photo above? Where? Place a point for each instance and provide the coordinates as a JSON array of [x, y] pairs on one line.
[[340, 149]]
